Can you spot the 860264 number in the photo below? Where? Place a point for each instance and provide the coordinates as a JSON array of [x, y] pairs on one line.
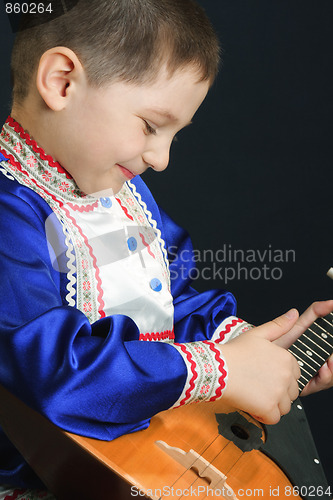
[[307, 491], [28, 8]]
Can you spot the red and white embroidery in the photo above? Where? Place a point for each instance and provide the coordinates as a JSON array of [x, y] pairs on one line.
[[8, 493], [167, 335], [31, 161], [230, 328], [47, 176], [144, 216], [207, 372]]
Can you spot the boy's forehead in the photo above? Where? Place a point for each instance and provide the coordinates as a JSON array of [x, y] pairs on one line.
[[170, 96], [177, 83]]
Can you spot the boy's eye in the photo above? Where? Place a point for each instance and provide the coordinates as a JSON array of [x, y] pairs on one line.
[[148, 128]]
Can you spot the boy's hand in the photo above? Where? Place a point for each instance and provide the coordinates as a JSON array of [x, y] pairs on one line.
[[262, 376], [324, 378]]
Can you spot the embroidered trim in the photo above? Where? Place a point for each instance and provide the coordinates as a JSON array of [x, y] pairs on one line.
[[132, 201], [41, 167], [146, 245], [87, 208], [157, 231], [223, 377], [14, 494], [71, 269], [9, 493], [166, 335], [230, 328], [207, 373], [125, 210], [87, 305], [37, 149]]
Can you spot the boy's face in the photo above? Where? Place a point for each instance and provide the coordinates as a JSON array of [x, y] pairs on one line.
[[107, 136]]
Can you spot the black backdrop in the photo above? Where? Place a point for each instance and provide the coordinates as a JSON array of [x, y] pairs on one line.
[[254, 171]]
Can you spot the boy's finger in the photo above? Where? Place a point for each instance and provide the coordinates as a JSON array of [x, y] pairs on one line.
[[317, 309], [278, 326]]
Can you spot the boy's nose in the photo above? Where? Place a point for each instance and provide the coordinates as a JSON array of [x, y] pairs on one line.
[[158, 159]]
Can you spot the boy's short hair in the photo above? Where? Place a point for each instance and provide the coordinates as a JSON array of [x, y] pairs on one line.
[[118, 40]]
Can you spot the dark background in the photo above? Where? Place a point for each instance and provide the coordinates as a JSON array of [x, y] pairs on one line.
[[254, 171]]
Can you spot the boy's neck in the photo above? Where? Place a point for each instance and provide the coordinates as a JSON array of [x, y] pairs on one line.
[[35, 121]]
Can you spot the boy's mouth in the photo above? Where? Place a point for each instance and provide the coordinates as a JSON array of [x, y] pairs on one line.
[[127, 173]]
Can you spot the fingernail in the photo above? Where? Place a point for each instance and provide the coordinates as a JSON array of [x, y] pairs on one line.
[[291, 314]]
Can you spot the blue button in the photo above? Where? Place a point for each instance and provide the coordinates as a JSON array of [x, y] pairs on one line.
[[156, 285], [2, 158], [132, 243], [106, 202]]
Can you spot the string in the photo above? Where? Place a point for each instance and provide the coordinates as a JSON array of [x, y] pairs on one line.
[[193, 465], [315, 343], [324, 318], [311, 350], [211, 463], [319, 336], [301, 359]]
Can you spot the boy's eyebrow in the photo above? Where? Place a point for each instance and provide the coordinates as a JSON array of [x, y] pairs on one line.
[[166, 114]]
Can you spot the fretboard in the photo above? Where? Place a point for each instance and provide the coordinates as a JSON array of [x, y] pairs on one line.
[[313, 348]]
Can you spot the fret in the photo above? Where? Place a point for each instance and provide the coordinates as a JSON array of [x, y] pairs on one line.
[[326, 324], [302, 362], [309, 354], [325, 317], [327, 334], [300, 383], [313, 348], [305, 378], [317, 345], [322, 337]]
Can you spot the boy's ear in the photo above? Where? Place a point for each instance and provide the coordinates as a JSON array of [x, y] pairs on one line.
[[58, 74]]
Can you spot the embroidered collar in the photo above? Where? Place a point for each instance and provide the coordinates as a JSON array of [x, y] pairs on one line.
[[29, 159]]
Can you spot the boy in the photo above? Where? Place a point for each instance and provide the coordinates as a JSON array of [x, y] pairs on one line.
[[99, 94]]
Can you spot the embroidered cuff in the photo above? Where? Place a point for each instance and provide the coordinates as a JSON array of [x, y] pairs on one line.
[[207, 372], [230, 328]]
